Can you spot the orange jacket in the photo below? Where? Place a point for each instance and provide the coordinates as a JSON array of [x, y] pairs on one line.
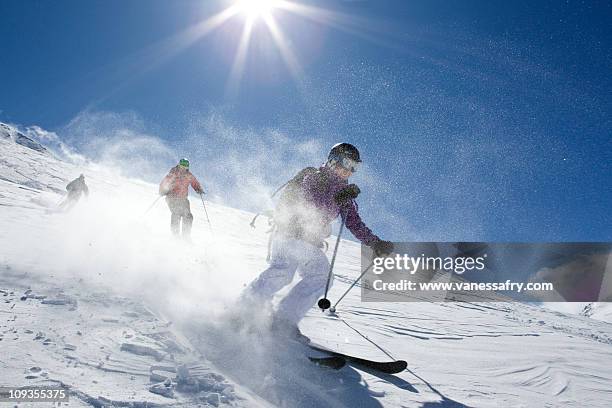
[[177, 181]]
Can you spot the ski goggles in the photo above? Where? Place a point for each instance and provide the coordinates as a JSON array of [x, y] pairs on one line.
[[347, 163]]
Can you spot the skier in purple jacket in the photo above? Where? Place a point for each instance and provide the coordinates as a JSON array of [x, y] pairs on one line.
[[310, 202]]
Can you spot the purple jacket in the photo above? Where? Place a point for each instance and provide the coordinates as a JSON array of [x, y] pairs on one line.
[[320, 188]]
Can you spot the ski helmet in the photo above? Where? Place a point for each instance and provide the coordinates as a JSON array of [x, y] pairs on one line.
[[345, 155], [184, 163], [342, 150]]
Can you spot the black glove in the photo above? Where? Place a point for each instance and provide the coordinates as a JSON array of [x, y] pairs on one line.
[[347, 194], [382, 248]]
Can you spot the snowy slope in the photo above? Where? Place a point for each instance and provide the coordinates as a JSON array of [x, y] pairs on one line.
[[599, 311], [8, 132], [116, 305]]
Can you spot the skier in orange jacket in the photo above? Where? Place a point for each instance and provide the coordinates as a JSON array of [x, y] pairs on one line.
[[175, 186]]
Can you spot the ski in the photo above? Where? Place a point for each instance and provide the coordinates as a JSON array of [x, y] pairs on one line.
[[387, 367], [334, 362]]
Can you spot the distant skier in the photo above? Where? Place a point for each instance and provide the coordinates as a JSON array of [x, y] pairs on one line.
[[175, 186], [308, 205], [76, 188]]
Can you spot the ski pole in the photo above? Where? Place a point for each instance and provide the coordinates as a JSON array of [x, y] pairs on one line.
[[205, 212], [324, 303], [152, 205], [61, 202], [252, 223], [333, 308]]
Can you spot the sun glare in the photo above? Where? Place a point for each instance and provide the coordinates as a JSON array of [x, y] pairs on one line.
[[257, 8], [259, 13]]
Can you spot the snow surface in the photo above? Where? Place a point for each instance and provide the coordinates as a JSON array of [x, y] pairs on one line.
[[598, 310], [103, 301], [10, 133]]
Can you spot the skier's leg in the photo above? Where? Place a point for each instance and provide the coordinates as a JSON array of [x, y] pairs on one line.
[[187, 219], [279, 274], [175, 216], [70, 203], [175, 223], [313, 268]]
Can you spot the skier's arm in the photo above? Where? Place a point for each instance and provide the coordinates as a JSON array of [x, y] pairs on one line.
[[353, 222], [165, 185], [195, 184]]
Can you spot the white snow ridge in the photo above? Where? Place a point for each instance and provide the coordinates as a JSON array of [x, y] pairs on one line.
[[103, 302]]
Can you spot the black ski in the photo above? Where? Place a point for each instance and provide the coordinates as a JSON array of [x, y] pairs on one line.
[[335, 362], [387, 367]]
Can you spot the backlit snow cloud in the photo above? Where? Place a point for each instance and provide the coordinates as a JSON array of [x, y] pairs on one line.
[[121, 141], [239, 167]]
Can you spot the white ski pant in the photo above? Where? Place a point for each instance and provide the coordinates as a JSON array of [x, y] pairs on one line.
[[288, 257]]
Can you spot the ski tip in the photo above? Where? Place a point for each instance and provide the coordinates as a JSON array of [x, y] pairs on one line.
[[401, 365], [391, 367]]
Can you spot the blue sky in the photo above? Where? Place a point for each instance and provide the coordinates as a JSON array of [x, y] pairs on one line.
[[477, 120]]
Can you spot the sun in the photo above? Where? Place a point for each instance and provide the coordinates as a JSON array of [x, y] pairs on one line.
[[257, 8], [258, 15]]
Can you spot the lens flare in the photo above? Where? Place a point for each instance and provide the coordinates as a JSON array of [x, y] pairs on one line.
[[257, 8]]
